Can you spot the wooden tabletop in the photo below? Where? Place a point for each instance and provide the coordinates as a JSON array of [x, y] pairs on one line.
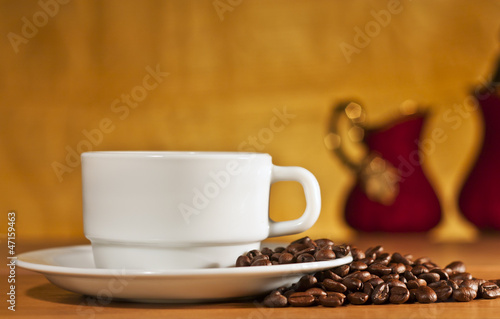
[[36, 297]]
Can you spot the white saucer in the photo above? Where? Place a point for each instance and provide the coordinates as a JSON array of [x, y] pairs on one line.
[[72, 268]]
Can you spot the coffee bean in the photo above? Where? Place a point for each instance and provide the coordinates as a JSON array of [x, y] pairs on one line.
[[422, 260], [448, 271], [279, 249], [342, 271], [368, 260], [357, 298], [399, 295], [306, 282], [437, 284], [380, 294], [288, 293], [267, 251], [320, 276], [331, 285], [464, 294], [489, 290], [295, 248], [430, 266], [390, 277], [429, 277], [368, 288], [364, 276], [443, 275], [275, 257], [352, 284], [461, 276], [331, 275], [374, 277], [425, 294], [252, 253], [413, 295], [458, 281], [259, 257], [361, 275], [409, 257], [398, 258], [332, 299], [421, 282], [456, 266], [308, 250], [375, 281], [341, 250], [384, 259], [243, 261], [409, 275], [419, 269], [304, 240], [325, 253], [275, 299], [286, 258], [471, 283], [301, 299], [452, 283], [395, 283], [357, 254], [379, 269], [316, 292], [397, 268], [443, 292], [322, 242], [495, 281], [480, 281], [374, 251], [358, 265], [412, 284], [261, 261], [305, 258], [281, 289]]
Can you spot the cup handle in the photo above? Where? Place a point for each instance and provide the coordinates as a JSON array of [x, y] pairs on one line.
[[313, 200]]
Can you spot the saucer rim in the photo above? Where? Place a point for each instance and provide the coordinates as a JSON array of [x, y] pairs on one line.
[[27, 260]]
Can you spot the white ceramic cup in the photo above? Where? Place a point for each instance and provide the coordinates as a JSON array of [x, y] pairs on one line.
[[168, 210]]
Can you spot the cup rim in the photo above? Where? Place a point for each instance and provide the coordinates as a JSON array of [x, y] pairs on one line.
[[172, 154]]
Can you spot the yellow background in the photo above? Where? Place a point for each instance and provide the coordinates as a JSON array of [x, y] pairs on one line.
[[230, 68]]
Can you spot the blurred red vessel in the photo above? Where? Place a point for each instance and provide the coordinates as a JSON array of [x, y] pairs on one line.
[[392, 193], [479, 199]]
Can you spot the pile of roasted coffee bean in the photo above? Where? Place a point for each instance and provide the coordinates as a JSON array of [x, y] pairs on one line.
[[299, 251], [374, 277]]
